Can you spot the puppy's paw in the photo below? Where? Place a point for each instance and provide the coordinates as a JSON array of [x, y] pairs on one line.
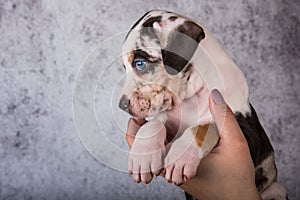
[[143, 167], [147, 153], [182, 161]]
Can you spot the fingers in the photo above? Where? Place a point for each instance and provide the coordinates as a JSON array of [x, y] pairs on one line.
[[139, 121], [227, 125], [133, 126]]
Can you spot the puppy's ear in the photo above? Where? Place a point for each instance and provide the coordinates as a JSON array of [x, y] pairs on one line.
[[178, 43]]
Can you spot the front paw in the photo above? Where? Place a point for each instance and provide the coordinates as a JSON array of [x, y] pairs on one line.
[[182, 161], [147, 153]]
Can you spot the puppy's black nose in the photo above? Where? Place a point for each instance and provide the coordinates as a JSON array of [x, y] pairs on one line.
[[124, 103]]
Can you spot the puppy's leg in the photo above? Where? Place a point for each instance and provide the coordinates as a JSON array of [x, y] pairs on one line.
[[186, 152], [148, 149]]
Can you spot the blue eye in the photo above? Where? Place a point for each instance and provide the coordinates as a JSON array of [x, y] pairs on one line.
[[140, 65]]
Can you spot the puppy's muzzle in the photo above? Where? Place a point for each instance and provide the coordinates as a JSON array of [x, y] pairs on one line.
[[136, 106], [124, 103]]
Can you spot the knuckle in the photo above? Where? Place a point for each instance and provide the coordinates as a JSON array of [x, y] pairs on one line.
[[229, 114]]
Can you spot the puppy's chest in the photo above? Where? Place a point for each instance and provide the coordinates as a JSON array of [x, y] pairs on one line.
[[189, 113]]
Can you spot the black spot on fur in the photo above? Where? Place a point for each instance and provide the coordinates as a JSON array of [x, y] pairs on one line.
[[151, 33], [187, 68], [188, 78], [258, 142], [260, 179], [139, 53], [173, 62], [136, 23], [186, 72], [173, 18], [180, 49], [192, 30], [148, 30], [149, 22]]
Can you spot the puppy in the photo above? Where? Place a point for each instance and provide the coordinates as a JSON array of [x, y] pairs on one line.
[[172, 63]]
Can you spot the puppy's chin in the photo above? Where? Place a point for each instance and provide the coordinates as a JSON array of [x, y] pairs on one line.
[[137, 114], [144, 115], [153, 112]]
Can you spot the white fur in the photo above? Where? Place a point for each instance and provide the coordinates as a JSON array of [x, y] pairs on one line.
[[183, 158], [274, 192], [220, 72], [147, 152]]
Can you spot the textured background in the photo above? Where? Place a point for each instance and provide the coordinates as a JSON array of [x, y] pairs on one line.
[[43, 43]]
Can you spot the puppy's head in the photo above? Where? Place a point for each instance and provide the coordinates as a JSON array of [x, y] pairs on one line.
[[156, 54]]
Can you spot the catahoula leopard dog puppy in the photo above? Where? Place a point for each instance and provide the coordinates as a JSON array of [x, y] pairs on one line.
[[172, 63]]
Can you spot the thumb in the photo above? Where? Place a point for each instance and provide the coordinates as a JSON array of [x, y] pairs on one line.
[[224, 118], [133, 126]]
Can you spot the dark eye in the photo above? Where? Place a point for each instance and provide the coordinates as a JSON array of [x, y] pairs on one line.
[[140, 65]]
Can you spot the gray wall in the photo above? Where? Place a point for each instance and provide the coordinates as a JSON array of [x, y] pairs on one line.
[[43, 43]]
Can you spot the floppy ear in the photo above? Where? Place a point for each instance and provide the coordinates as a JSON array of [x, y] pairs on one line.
[[179, 43]]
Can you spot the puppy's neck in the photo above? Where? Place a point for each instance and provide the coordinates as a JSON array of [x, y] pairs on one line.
[[193, 109], [193, 83]]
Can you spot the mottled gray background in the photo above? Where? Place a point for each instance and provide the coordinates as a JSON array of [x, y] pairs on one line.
[[43, 43]]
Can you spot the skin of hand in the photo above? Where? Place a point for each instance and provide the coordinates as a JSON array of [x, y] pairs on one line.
[[227, 172]]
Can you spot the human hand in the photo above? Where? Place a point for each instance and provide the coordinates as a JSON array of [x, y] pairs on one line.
[[227, 172]]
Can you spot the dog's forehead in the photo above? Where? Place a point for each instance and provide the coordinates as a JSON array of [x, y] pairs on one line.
[[150, 17], [141, 35]]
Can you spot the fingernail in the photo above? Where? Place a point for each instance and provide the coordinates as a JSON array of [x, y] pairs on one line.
[[217, 97]]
